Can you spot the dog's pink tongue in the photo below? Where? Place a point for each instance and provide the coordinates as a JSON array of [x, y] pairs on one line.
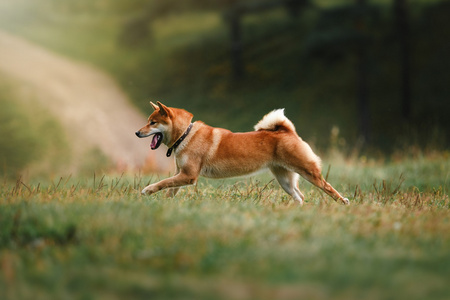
[[154, 143]]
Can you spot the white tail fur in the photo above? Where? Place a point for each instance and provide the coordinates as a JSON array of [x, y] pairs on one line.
[[273, 120]]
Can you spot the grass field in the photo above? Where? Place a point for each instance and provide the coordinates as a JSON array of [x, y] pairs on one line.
[[97, 238]]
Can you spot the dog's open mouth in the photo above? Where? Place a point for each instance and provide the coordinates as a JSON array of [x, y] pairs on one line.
[[156, 140]]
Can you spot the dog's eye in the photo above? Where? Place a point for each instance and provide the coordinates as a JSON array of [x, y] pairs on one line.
[[152, 122]]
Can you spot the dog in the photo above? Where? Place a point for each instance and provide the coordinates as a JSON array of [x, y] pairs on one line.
[[202, 150]]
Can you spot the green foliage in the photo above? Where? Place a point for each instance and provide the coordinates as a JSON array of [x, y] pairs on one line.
[[305, 64], [19, 144], [29, 136], [98, 238]]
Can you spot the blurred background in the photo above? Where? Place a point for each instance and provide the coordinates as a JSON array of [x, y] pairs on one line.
[[360, 76]]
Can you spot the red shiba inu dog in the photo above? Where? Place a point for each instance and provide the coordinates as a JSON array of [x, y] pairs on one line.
[[201, 150]]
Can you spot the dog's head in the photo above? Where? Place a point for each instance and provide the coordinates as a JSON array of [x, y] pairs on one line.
[[165, 124]]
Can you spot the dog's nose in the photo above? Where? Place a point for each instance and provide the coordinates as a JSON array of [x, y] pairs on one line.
[[137, 133]]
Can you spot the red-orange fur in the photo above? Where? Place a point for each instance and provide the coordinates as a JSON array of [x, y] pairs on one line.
[[217, 153]]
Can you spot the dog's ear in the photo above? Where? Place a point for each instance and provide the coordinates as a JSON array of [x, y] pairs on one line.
[[155, 107], [163, 110]]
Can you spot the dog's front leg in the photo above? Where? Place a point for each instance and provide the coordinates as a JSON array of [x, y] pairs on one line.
[[176, 181], [171, 192]]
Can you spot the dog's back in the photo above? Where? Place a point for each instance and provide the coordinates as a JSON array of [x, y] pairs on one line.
[[223, 153]]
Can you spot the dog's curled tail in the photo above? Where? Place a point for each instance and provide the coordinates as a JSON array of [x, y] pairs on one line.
[[275, 120]]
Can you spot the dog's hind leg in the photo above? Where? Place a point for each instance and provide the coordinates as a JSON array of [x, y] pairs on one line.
[[301, 159], [316, 178], [289, 182]]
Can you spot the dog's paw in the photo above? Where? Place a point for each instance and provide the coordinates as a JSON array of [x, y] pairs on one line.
[[148, 190], [345, 201]]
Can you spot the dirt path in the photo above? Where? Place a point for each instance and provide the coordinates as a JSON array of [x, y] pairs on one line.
[[89, 104]]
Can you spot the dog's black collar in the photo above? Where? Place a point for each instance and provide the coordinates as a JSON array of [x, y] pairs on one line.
[[178, 142]]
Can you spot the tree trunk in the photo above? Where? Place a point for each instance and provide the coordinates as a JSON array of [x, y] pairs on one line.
[[237, 64], [362, 90], [403, 33]]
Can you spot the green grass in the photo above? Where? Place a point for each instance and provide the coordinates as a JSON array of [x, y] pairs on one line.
[[97, 238]]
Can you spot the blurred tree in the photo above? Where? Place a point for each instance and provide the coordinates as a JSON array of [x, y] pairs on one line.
[[237, 64], [403, 35], [342, 31], [362, 77], [138, 28], [233, 16]]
